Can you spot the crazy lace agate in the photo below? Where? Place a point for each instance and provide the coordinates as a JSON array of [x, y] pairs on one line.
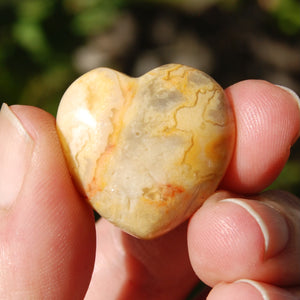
[[146, 152]]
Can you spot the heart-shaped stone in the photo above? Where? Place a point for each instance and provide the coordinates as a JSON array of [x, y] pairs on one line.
[[146, 152]]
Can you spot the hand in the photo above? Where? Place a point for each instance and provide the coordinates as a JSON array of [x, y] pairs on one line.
[[244, 247]]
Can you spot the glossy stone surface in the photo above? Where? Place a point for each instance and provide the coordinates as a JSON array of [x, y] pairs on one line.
[[146, 152]]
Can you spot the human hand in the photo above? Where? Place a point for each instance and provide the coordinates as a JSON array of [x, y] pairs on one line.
[[47, 232]]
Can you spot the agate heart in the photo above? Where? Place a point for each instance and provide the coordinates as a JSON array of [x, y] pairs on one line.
[[146, 152]]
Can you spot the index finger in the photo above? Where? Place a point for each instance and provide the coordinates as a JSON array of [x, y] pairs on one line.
[[268, 123]]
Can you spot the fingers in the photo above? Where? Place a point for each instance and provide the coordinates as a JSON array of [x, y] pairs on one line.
[[46, 230], [47, 238], [139, 265], [129, 268], [268, 123], [253, 238], [239, 238]]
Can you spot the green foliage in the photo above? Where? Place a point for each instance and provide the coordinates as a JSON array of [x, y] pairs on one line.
[[27, 29], [94, 15], [287, 13]]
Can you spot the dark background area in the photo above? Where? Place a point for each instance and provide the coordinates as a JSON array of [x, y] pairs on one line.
[[46, 44]]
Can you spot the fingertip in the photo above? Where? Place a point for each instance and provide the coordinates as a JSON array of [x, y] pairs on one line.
[[37, 122], [224, 242], [232, 237], [14, 163], [49, 232], [272, 224], [291, 93], [268, 123]]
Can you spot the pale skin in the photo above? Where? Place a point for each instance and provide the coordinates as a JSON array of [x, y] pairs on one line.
[[50, 247]]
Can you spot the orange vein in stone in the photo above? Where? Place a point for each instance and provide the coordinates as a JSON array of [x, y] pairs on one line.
[[102, 163]]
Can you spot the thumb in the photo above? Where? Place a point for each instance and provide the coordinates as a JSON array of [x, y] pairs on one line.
[[47, 237]]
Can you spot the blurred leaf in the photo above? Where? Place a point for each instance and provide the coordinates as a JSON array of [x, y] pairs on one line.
[[95, 15], [79, 5], [31, 37], [34, 10], [94, 20], [288, 14]]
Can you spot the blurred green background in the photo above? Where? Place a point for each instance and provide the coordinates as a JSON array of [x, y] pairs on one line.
[[46, 44]]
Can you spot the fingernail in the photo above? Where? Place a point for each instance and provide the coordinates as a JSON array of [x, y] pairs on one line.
[[275, 232], [257, 218], [16, 147], [259, 288], [292, 93]]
